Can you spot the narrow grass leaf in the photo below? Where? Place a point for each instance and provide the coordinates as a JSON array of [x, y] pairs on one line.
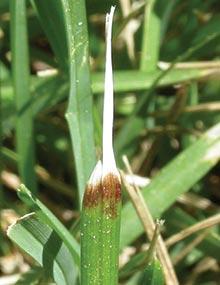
[[153, 274], [47, 92], [79, 112], [151, 37], [146, 99], [209, 246], [174, 179], [139, 80], [100, 219], [20, 69], [54, 27], [43, 244], [46, 216]]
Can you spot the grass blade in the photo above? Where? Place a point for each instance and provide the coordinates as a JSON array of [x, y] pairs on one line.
[[139, 80], [100, 220], [211, 244], [79, 112], [153, 274], [20, 70], [44, 245], [54, 27], [46, 216], [100, 228], [176, 178], [151, 37], [147, 98], [47, 92]]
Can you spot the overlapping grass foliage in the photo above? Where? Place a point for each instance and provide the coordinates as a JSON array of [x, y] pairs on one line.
[[167, 113]]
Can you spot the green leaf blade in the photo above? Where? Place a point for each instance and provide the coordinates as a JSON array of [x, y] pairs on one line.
[[54, 27], [20, 69], [79, 112], [44, 245], [45, 215], [153, 274], [176, 178]]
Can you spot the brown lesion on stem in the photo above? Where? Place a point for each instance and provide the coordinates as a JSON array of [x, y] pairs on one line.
[[111, 194], [106, 193], [92, 195]]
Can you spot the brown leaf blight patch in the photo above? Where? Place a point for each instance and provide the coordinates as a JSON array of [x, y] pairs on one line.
[[105, 193]]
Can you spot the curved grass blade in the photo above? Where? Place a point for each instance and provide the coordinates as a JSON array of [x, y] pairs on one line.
[[20, 69], [175, 178], [43, 244], [79, 112], [45, 215]]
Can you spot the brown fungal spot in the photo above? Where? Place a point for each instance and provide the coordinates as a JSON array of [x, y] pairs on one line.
[[92, 195], [107, 193], [111, 194]]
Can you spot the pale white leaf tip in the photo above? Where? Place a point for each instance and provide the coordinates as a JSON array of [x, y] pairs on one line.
[[96, 175], [109, 164]]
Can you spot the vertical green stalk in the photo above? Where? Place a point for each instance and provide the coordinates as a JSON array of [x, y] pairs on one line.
[[151, 38], [100, 220], [20, 70], [150, 47], [79, 112]]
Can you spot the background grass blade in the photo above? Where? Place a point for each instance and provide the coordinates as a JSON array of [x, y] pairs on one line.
[[47, 92], [153, 274], [20, 69], [79, 112], [46, 216], [210, 245], [145, 100], [150, 47], [54, 27], [44, 245], [151, 37], [176, 178], [139, 80]]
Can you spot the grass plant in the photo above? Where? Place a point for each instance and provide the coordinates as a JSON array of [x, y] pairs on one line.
[[66, 217]]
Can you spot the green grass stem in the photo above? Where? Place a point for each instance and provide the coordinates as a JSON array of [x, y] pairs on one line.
[[20, 69], [79, 112], [151, 37], [100, 219]]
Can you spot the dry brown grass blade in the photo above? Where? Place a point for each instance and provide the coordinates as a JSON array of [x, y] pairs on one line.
[[207, 223], [195, 64], [149, 227], [186, 250], [192, 200], [203, 107]]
